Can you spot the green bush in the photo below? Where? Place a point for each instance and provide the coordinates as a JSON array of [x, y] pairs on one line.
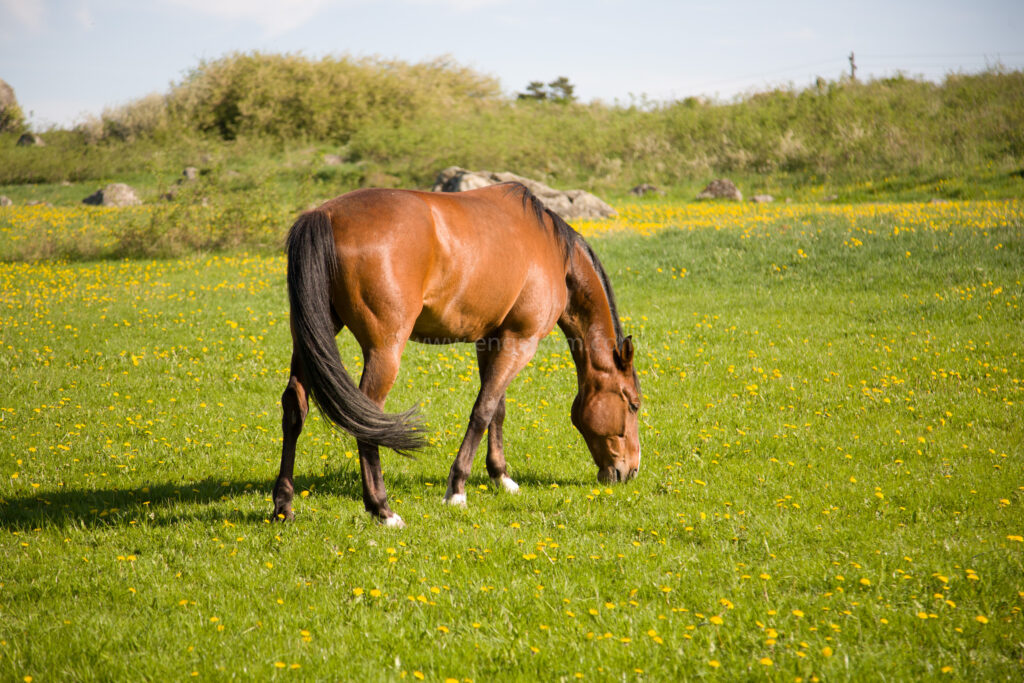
[[407, 121], [846, 130], [289, 96]]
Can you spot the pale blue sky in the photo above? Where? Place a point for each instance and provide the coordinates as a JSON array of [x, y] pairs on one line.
[[69, 58]]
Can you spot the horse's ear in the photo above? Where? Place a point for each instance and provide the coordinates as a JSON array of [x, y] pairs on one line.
[[624, 354]]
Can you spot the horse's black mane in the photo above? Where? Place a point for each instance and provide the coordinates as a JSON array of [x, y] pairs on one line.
[[568, 238]]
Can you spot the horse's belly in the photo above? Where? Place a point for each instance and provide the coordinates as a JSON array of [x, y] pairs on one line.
[[459, 320]]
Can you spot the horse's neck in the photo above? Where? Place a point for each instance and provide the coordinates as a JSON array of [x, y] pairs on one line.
[[587, 319]]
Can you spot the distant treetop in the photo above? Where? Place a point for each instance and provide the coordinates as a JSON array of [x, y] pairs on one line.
[[559, 90]]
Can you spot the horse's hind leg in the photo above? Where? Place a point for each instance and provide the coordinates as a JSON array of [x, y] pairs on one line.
[[294, 408], [380, 370]]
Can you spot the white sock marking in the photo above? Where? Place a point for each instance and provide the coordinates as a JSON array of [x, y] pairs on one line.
[[394, 521], [455, 499], [505, 483]]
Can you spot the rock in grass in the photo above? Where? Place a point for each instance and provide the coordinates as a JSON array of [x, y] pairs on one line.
[[722, 188], [5, 200], [762, 198], [570, 204], [114, 194]]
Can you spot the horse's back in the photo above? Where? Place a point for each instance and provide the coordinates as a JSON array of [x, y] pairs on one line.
[[454, 266]]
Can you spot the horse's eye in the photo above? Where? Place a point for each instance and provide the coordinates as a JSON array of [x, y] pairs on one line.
[[634, 407]]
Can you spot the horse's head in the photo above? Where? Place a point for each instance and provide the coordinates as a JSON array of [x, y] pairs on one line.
[[606, 413]]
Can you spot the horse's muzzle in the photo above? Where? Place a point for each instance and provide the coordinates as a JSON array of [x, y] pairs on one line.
[[611, 475]]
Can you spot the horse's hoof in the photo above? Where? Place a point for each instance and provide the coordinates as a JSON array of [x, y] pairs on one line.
[[505, 483], [394, 521], [456, 499]]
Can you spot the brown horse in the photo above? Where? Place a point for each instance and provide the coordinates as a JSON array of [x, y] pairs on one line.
[[490, 266]]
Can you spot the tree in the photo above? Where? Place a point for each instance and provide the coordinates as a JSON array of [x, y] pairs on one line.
[[534, 91], [559, 90]]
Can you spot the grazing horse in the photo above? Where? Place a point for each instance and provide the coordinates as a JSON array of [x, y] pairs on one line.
[[490, 266]]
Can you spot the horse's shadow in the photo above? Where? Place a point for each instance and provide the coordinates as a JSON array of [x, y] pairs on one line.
[[163, 504], [170, 503]]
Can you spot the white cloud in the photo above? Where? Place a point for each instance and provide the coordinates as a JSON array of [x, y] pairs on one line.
[[275, 16], [18, 15], [84, 17]]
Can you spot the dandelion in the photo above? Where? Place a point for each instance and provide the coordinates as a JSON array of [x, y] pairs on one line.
[[981, 619]]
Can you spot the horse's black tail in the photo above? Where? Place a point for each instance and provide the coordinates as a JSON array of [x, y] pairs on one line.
[[312, 266]]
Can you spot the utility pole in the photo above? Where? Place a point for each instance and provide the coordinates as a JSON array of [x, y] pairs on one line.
[[853, 67]]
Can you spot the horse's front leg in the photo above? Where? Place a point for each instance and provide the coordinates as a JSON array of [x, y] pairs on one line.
[[506, 357], [496, 466]]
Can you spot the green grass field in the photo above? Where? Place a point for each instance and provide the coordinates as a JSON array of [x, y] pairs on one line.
[[831, 487]]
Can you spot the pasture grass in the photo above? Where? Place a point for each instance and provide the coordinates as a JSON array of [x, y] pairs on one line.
[[831, 485]]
